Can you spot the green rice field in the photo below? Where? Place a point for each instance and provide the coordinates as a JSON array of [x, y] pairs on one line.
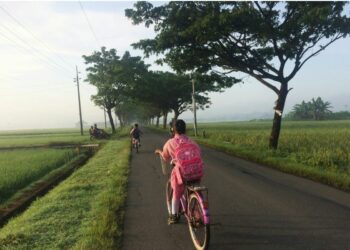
[[19, 168], [22, 164], [309, 148], [42, 137]]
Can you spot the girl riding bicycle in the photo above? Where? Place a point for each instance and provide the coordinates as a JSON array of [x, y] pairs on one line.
[[185, 155], [136, 134]]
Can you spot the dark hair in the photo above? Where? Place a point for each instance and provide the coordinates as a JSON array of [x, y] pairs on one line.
[[180, 126], [136, 125]]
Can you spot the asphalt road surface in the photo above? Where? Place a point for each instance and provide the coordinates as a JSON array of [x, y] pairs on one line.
[[251, 206]]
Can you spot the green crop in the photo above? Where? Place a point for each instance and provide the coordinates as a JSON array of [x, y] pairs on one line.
[[19, 168], [318, 150]]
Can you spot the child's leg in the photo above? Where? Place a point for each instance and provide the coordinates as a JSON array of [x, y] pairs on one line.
[[175, 206], [178, 190]]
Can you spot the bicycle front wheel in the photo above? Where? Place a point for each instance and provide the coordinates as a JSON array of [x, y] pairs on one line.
[[199, 230]]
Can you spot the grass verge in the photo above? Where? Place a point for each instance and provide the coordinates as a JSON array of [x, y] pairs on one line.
[[83, 212]]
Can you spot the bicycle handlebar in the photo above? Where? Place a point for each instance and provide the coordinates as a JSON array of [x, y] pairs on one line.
[[166, 169]]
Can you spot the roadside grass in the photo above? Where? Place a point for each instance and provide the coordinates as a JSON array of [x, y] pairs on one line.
[[83, 212], [318, 150], [20, 168]]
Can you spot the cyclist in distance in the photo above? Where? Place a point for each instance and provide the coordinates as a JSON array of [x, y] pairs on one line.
[[185, 155], [136, 133]]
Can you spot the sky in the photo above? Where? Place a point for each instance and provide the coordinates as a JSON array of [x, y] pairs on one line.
[[41, 43]]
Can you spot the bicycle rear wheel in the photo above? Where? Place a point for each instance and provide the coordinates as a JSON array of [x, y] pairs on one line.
[[199, 230]]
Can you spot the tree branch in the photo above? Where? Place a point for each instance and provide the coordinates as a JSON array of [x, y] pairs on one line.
[[260, 79], [297, 68], [311, 46], [272, 30], [252, 52]]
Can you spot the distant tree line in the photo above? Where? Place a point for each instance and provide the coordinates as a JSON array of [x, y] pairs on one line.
[[127, 87], [316, 109]]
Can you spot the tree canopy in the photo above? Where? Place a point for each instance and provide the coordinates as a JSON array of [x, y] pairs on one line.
[[270, 41], [316, 109], [114, 77], [126, 86]]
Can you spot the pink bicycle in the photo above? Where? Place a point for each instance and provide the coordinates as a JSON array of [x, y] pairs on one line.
[[194, 206]]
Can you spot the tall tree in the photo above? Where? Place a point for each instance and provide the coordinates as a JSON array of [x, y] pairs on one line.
[[270, 41], [114, 78], [101, 75], [173, 92], [177, 91]]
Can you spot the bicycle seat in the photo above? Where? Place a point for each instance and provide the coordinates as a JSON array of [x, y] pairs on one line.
[[192, 183], [197, 188]]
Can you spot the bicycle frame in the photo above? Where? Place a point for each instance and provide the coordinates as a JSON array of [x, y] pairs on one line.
[[194, 206], [203, 201]]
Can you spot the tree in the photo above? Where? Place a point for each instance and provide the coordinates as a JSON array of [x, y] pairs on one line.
[[173, 92], [302, 111], [314, 109], [114, 78], [320, 108], [270, 41], [177, 90], [102, 75]]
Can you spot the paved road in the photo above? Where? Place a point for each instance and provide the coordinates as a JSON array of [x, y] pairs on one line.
[[252, 207]]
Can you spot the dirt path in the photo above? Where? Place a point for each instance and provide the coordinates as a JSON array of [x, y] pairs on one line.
[[252, 207]]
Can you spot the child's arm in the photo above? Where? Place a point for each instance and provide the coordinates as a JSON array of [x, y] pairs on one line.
[[164, 153]]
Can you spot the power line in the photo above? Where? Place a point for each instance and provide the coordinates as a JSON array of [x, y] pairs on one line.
[[90, 26], [43, 57], [32, 34], [32, 47]]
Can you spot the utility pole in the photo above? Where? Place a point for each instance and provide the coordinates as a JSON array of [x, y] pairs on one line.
[[194, 108], [81, 120]]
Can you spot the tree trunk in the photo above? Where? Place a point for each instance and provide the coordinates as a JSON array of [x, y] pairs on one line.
[[176, 114], [157, 121], [121, 124], [277, 120], [109, 112], [165, 117]]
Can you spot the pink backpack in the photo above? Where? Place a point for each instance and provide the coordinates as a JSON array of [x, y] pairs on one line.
[[188, 159]]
